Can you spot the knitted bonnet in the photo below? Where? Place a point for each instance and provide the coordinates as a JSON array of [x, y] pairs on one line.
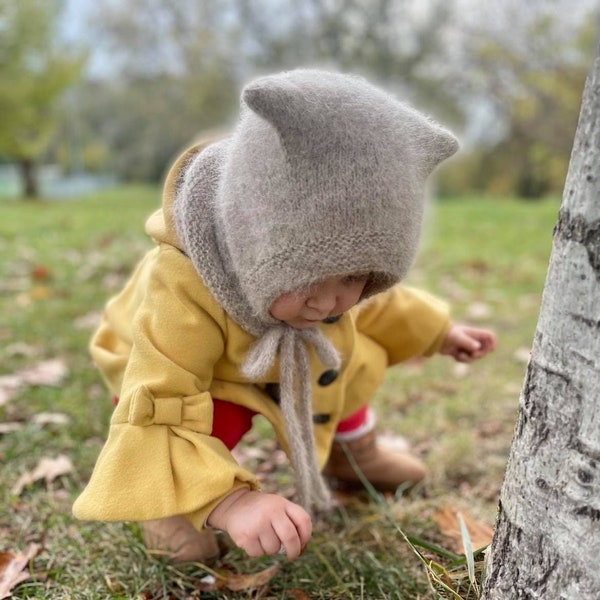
[[324, 175]]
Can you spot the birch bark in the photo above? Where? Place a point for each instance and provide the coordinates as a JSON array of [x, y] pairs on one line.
[[547, 541]]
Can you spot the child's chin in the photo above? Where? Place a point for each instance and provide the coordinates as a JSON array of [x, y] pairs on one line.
[[303, 324]]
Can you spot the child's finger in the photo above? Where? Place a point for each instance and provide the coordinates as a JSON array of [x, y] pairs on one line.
[[302, 522], [288, 538], [271, 542]]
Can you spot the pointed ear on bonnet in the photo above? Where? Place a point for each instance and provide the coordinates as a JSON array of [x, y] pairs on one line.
[[275, 98]]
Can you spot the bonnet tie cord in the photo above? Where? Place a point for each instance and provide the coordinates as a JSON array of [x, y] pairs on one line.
[[296, 402]]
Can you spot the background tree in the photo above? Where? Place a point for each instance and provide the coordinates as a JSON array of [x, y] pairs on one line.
[[507, 77], [176, 67], [400, 43], [526, 65], [34, 73], [172, 74], [546, 537]]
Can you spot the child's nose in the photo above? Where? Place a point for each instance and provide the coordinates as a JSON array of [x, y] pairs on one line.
[[323, 302]]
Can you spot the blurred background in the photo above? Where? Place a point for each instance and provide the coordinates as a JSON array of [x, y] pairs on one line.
[[95, 92], [97, 97]]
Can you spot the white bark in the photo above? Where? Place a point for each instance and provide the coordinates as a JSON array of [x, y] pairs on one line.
[[547, 541]]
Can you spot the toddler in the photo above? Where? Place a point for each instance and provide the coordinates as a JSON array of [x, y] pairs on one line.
[[271, 290]]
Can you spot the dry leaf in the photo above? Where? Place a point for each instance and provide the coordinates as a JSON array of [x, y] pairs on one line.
[[90, 320], [479, 311], [414, 365], [47, 372], [40, 272], [21, 349], [480, 533], [297, 594], [523, 354], [393, 442], [11, 568], [10, 426], [9, 384], [252, 581], [460, 370], [46, 418], [236, 582], [48, 469], [40, 292]]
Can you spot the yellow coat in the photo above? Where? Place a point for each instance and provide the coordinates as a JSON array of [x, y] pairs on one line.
[[166, 348]]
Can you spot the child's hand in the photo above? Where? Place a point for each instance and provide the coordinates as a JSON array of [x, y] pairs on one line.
[[466, 344], [262, 523]]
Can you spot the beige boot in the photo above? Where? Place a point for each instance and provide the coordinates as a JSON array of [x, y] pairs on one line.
[[177, 539], [385, 469]]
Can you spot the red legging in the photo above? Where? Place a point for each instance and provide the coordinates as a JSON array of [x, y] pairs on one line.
[[232, 421]]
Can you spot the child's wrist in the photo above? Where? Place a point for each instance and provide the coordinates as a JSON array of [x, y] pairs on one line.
[[217, 517]]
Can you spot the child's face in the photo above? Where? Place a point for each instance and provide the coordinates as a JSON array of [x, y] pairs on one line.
[[327, 298]]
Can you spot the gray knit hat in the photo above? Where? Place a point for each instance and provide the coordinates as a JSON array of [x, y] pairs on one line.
[[324, 175]]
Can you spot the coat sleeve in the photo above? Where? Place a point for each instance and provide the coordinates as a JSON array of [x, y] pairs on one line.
[[159, 458], [405, 321]]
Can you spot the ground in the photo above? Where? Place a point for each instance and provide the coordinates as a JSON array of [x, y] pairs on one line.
[[59, 261]]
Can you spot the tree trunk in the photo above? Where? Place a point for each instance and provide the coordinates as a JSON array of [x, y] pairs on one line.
[[28, 178], [547, 540]]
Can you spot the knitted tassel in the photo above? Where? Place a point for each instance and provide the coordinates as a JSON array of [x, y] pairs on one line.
[[262, 354], [296, 402], [303, 443]]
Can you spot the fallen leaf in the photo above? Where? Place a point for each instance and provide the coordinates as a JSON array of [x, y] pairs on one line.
[[394, 442], [513, 388], [238, 583], [48, 469], [21, 349], [488, 429], [48, 372], [11, 568], [10, 426], [523, 354], [9, 385], [40, 292], [478, 266], [90, 320], [414, 365], [479, 311], [209, 583], [235, 582], [460, 370], [297, 594], [480, 533], [50, 418], [115, 587], [40, 272]]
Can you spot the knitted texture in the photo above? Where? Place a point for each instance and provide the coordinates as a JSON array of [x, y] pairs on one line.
[[296, 400], [324, 175]]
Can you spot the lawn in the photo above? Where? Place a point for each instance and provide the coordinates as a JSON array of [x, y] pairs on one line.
[[60, 261]]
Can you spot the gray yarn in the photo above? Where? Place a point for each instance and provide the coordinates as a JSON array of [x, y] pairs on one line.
[[296, 399], [323, 176], [322, 165]]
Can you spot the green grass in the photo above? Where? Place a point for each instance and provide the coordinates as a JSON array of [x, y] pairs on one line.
[[58, 264]]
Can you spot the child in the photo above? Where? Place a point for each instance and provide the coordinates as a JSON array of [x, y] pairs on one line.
[[271, 290]]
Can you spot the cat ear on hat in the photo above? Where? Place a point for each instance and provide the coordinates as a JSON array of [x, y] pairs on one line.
[[308, 103], [276, 98], [432, 144]]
